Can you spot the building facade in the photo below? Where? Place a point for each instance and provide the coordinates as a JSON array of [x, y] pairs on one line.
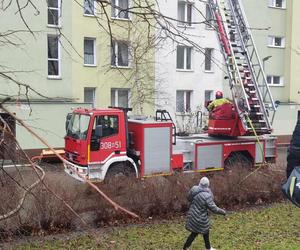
[[275, 28], [189, 64], [62, 56]]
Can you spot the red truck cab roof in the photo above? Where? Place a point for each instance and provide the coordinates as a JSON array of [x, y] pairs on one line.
[[96, 111]]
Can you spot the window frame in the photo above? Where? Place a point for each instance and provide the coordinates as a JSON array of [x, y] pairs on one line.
[[116, 96], [116, 51], [85, 89], [185, 23], [185, 106], [272, 4], [94, 51], [272, 44], [58, 76], [209, 24], [58, 9], [272, 84], [113, 11], [210, 70], [95, 123], [94, 8], [185, 58]]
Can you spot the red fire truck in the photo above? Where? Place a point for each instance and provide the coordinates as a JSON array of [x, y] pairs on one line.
[[103, 142]]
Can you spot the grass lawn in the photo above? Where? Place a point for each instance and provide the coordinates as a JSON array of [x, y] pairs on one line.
[[275, 227]]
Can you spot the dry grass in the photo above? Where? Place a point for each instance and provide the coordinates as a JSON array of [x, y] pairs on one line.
[[159, 197]]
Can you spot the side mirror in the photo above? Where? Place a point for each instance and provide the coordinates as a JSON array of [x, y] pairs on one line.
[[68, 118], [99, 131]]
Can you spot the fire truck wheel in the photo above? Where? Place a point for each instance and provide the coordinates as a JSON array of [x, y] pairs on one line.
[[120, 169], [238, 160]]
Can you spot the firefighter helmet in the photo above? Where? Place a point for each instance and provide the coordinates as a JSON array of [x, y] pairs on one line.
[[219, 95]]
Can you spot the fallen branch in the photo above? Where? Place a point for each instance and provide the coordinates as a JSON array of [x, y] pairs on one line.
[[114, 204]]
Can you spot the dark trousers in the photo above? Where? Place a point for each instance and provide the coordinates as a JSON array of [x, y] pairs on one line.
[[192, 237]]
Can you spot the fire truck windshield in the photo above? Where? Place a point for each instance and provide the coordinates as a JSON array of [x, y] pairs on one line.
[[78, 126]]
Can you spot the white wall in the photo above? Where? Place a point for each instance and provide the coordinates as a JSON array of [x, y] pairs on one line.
[[168, 79]]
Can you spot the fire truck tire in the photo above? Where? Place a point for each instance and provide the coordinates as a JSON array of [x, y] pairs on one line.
[[238, 160], [120, 169]]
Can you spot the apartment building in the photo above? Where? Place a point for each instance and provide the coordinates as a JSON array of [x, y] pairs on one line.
[[75, 54], [275, 28], [189, 64]]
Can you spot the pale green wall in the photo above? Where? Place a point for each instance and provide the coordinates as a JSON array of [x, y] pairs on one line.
[[46, 119], [30, 54], [103, 77], [270, 21]]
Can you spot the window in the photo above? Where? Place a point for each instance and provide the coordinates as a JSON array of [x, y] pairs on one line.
[[89, 7], [120, 9], [185, 13], [277, 4], [78, 126], [208, 18], [89, 95], [53, 12], [275, 80], [276, 41], [184, 57], [120, 54], [89, 51], [110, 124], [208, 95], [208, 59], [53, 56], [183, 101], [120, 98]]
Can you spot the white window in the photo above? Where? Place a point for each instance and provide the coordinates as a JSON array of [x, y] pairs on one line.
[[120, 98], [277, 4], [208, 95], [208, 18], [120, 54], [208, 59], [276, 41], [183, 100], [89, 95], [184, 57], [53, 12], [53, 56], [89, 51], [89, 7], [275, 80], [185, 12], [120, 9]]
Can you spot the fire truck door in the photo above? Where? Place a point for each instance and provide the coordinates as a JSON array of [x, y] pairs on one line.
[[110, 143]]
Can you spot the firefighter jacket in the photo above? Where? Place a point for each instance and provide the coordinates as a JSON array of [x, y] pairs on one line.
[[202, 200], [216, 103]]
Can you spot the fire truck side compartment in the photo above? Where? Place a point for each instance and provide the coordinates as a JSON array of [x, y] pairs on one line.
[[153, 140]]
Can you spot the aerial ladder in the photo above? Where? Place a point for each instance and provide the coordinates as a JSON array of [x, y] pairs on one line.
[[253, 101]]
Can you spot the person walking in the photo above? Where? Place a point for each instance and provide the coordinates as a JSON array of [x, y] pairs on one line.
[[201, 200]]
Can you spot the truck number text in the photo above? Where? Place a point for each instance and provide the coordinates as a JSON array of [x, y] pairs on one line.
[[110, 145]]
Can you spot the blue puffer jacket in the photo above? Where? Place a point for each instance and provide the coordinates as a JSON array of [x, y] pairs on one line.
[[202, 200]]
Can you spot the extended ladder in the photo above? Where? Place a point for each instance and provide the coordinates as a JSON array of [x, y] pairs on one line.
[[248, 84]]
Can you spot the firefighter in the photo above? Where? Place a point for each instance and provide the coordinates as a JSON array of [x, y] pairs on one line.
[[201, 200], [293, 156], [218, 101]]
